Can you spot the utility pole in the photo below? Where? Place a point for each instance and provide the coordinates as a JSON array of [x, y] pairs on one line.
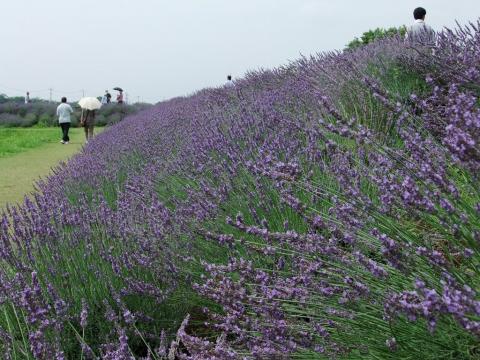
[[51, 91], [126, 98], [83, 92], [138, 99]]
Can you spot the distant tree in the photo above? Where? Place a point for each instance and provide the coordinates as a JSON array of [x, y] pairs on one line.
[[378, 33], [20, 100], [16, 99]]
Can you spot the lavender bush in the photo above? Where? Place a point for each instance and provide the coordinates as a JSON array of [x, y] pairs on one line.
[[42, 113], [326, 209]]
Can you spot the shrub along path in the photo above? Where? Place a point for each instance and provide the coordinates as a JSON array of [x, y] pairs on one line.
[[18, 172]]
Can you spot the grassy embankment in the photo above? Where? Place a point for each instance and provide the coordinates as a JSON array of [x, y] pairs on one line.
[[29, 154]]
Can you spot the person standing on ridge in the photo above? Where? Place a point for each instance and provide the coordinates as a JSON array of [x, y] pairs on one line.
[[229, 81], [63, 112], [120, 97], [27, 98], [106, 98], [420, 33]]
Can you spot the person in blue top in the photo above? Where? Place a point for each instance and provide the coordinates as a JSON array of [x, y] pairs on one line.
[[106, 98]]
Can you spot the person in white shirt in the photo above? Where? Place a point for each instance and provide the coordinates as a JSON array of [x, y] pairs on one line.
[[27, 98], [229, 81], [420, 33], [63, 112]]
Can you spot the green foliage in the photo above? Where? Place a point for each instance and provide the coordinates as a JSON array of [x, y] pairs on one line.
[[378, 33], [114, 118], [14, 141], [355, 100], [16, 99], [100, 120], [45, 120], [30, 119]]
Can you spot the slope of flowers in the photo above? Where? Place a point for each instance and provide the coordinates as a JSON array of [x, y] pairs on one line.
[[326, 209]]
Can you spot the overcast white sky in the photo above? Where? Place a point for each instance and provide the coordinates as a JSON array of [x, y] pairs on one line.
[[157, 49]]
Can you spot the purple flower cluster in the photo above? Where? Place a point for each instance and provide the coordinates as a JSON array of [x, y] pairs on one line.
[[459, 302]]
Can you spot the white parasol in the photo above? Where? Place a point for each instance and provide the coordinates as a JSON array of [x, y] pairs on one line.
[[90, 103]]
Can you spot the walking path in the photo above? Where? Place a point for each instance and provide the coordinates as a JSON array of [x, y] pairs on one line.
[[19, 172]]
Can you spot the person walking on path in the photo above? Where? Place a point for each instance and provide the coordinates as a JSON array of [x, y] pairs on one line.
[[63, 112], [421, 33], [88, 122]]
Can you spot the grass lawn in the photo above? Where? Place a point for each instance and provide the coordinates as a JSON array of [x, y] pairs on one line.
[[29, 154], [17, 140]]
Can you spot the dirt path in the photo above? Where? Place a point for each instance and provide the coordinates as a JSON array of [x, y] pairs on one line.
[[19, 172]]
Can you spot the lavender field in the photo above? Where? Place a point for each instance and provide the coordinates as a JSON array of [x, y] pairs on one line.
[[327, 209]]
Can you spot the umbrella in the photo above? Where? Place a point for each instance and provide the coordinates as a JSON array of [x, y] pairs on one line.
[[118, 88], [89, 103]]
